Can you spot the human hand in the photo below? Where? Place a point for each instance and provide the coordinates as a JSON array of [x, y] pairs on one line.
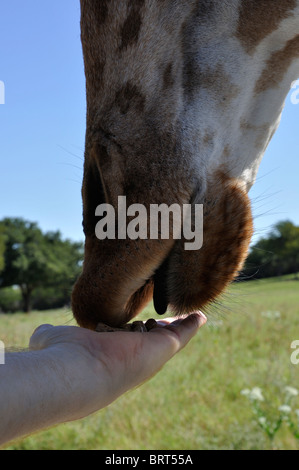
[[96, 368]]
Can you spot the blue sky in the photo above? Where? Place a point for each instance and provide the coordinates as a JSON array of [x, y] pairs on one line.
[[42, 125]]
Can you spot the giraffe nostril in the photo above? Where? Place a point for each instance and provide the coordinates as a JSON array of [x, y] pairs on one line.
[[93, 195]]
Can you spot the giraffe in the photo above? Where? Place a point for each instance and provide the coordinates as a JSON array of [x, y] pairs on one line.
[[182, 101]]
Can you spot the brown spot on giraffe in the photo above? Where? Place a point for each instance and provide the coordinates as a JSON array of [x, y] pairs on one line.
[[209, 78], [100, 10], [131, 28], [277, 65], [214, 78], [258, 131], [168, 78], [252, 27], [208, 138], [226, 151], [129, 96]]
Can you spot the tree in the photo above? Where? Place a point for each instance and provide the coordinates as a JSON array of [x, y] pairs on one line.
[[275, 255], [2, 246], [33, 259]]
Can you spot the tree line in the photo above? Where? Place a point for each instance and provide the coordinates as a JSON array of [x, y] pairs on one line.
[[37, 270], [274, 255]]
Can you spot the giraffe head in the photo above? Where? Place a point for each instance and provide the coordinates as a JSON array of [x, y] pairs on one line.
[[182, 101]]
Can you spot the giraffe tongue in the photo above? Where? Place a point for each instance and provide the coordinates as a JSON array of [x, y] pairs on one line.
[[160, 288]]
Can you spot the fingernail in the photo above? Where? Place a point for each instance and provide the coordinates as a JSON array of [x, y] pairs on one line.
[[42, 327], [197, 317], [161, 323], [202, 315]]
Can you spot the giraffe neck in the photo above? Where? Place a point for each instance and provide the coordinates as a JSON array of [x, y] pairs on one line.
[[213, 75]]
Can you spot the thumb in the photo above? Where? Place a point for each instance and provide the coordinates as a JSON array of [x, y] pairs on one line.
[[38, 338], [178, 333], [161, 344]]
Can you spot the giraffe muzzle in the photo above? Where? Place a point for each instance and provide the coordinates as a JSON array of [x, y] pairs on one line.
[[120, 277]]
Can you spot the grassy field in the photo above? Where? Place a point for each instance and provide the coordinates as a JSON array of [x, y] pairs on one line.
[[195, 401]]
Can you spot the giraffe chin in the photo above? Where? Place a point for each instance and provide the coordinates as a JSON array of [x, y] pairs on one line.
[[120, 277]]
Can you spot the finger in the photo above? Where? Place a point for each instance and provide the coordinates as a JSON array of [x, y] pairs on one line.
[[37, 340], [182, 329], [161, 344], [179, 319]]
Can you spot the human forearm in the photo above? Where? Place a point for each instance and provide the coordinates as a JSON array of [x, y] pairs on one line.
[[38, 390]]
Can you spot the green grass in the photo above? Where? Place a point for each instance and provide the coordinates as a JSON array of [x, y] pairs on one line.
[[195, 401]]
